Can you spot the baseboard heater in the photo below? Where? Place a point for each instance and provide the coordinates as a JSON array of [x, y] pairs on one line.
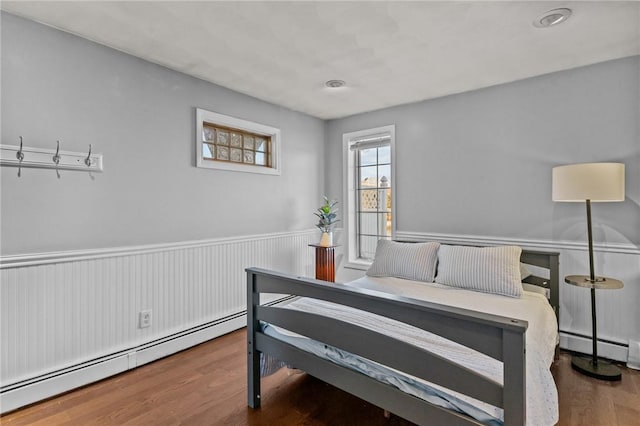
[[36, 389], [576, 342]]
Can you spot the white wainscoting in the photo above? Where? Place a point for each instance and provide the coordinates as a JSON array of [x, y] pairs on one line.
[[618, 315], [70, 318]]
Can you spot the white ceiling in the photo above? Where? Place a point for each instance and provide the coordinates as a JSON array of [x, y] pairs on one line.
[[389, 53]]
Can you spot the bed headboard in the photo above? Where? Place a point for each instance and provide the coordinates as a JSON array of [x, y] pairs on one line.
[[549, 260]]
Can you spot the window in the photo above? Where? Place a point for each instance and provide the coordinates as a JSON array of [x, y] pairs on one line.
[[369, 190], [229, 143]]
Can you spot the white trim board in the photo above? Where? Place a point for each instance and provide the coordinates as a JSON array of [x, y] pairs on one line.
[[20, 260], [626, 248]]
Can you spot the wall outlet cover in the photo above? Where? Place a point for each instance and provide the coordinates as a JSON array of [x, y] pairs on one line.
[[144, 319]]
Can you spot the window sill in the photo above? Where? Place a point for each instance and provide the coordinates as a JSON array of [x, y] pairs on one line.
[[359, 265]]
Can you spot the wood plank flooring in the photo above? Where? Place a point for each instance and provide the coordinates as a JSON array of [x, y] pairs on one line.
[[206, 385]]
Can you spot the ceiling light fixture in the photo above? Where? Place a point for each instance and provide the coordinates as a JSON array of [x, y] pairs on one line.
[[552, 17], [334, 84]]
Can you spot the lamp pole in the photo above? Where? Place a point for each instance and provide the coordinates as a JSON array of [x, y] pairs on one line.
[[592, 278]]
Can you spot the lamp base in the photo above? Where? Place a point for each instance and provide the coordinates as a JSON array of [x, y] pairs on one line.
[[603, 370]]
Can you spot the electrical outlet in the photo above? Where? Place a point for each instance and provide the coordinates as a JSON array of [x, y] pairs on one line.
[[144, 319]]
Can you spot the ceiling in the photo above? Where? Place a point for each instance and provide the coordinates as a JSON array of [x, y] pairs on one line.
[[389, 53]]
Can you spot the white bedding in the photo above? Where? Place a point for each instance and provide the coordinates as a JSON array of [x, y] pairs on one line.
[[541, 338]]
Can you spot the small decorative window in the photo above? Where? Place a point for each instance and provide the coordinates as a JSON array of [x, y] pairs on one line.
[[229, 143]]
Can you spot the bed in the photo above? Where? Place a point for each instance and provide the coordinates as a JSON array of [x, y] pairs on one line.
[[384, 357]]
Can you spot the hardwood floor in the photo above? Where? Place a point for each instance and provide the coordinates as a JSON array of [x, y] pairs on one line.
[[206, 385]]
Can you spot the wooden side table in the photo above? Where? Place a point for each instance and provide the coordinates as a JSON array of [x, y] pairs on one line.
[[593, 366], [325, 262]]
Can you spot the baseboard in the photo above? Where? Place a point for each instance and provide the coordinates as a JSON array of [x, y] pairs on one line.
[[55, 383], [580, 344], [188, 339]]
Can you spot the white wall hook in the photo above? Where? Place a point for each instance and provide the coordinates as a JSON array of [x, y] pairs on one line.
[[20, 154], [56, 157]]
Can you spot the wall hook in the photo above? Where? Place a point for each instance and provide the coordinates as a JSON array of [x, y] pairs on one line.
[[20, 154], [87, 160], [56, 158]]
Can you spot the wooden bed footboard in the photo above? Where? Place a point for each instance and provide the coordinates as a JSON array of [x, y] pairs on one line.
[[498, 337]]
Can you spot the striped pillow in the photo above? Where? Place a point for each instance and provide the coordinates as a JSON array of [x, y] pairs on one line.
[[411, 261], [486, 269]]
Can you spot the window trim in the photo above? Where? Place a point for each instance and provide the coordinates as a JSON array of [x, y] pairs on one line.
[[349, 185], [215, 118]]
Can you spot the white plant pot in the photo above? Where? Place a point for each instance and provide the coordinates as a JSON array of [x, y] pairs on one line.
[[327, 239]]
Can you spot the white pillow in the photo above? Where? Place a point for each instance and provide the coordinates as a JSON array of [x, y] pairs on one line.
[[486, 269], [411, 261]]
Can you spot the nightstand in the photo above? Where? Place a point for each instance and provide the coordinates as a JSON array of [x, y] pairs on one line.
[[325, 262], [593, 366]]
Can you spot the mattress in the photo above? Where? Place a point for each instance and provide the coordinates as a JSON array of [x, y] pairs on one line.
[[541, 339]]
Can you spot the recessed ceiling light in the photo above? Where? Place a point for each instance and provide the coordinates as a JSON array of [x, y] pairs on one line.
[[334, 84], [552, 17]]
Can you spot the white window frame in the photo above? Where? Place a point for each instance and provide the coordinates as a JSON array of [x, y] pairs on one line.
[[203, 116], [349, 173]]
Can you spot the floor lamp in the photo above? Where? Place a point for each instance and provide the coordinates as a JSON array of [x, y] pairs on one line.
[[591, 182]]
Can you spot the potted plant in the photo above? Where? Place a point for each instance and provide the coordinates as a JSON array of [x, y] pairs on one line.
[[328, 216]]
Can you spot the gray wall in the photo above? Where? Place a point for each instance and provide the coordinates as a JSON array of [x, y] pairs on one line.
[[141, 117], [475, 163], [479, 163]]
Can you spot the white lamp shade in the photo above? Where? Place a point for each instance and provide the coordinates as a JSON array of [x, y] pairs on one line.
[[598, 182]]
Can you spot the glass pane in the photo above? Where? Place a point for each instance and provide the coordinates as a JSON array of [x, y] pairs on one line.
[[368, 176], [223, 153], [207, 151], [248, 157], [368, 156], [369, 200], [236, 140], [236, 155], [367, 247], [368, 223], [223, 137], [261, 144], [384, 155], [384, 173], [248, 142], [260, 159], [208, 134]]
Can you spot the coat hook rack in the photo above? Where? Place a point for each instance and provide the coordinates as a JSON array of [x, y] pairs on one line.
[[40, 158]]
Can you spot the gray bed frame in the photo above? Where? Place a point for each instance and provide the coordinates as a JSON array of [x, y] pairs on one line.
[[498, 337]]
